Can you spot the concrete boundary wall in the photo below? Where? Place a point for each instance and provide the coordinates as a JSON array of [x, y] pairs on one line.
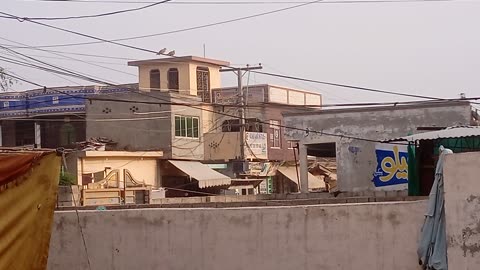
[[462, 210], [374, 236]]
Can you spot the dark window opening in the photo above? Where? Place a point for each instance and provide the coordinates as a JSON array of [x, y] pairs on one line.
[[24, 133], [67, 135], [322, 150], [233, 125], [155, 79], [203, 83], [173, 79]]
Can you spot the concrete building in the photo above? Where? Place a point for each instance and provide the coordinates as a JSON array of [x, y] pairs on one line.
[[48, 118], [356, 158], [265, 144], [178, 108]]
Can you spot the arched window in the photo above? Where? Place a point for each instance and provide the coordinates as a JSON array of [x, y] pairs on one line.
[[203, 83], [173, 79], [155, 79]]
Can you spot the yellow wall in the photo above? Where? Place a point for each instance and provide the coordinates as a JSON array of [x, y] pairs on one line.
[[142, 169], [183, 68], [187, 76]]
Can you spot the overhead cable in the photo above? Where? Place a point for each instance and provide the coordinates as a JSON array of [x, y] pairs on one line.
[[90, 16], [115, 41]]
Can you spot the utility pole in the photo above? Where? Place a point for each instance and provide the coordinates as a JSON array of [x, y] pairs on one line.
[[240, 72]]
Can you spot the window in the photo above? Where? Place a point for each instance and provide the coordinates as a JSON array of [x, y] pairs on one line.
[[275, 134], [6, 104], [292, 144], [186, 126], [155, 79], [67, 135], [203, 83], [173, 79]]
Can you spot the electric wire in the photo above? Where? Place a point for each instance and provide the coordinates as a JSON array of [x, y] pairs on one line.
[[115, 41], [90, 16], [241, 2], [257, 72]]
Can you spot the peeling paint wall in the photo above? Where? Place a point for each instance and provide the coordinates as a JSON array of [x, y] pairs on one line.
[[462, 209], [374, 236], [355, 158]]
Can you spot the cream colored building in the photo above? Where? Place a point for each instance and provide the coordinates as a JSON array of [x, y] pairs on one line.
[[92, 166], [189, 75]]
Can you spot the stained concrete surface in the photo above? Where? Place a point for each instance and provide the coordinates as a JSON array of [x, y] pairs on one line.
[[374, 236], [462, 210]]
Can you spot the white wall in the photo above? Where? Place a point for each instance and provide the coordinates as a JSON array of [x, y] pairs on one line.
[[374, 236], [462, 210]]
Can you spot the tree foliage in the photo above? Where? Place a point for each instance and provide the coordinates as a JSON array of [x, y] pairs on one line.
[[5, 81]]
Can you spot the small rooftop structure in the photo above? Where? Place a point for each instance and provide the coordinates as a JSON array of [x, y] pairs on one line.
[[181, 59]]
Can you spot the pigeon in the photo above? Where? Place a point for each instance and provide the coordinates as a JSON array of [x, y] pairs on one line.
[[162, 51], [172, 53]]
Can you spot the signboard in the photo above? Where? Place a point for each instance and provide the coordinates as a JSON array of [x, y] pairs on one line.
[[256, 146], [217, 166], [392, 166]]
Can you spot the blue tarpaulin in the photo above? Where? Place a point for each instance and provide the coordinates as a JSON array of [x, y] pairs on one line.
[[432, 248]]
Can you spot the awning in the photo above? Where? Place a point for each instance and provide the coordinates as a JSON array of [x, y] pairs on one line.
[[205, 176], [452, 132], [291, 173]]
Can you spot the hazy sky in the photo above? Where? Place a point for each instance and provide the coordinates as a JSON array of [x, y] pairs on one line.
[[426, 48]]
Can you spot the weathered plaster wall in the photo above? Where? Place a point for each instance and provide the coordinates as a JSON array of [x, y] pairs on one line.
[[462, 209], [152, 126], [373, 236], [132, 135], [356, 158]]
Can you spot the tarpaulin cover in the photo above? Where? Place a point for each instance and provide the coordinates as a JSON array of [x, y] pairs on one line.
[[432, 247], [28, 191], [15, 164]]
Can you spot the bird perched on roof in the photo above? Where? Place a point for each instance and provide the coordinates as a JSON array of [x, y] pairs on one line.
[[171, 53], [162, 51]]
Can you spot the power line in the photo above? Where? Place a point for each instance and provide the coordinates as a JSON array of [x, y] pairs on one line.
[[258, 72], [241, 2], [50, 70], [70, 53], [90, 16], [72, 58], [78, 33], [63, 70], [308, 131], [115, 41], [21, 79], [347, 86]]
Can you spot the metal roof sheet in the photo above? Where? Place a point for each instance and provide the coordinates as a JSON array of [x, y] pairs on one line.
[[452, 132]]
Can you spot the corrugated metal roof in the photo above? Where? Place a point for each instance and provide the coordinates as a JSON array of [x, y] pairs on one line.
[[452, 132]]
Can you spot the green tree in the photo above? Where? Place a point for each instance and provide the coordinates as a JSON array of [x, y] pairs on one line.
[[5, 81]]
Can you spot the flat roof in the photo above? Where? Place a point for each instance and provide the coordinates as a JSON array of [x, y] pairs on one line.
[[136, 154], [179, 60], [427, 104]]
